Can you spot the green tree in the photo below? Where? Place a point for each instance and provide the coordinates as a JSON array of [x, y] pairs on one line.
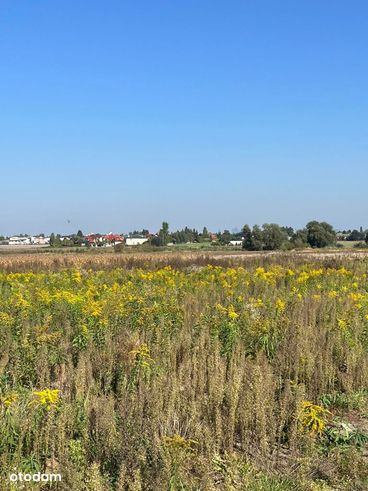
[[204, 236], [289, 231], [356, 235], [273, 237], [320, 234], [247, 238], [163, 236], [225, 237], [257, 238], [299, 239]]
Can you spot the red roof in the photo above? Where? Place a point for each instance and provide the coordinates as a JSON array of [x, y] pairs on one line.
[[113, 237], [92, 237]]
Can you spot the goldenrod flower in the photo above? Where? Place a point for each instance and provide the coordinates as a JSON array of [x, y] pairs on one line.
[[280, 305], [47, 398], [9, 399]]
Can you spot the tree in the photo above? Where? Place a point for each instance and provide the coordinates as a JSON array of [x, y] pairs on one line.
[[289, 231], [273, 236], [80, 233], [257, 238], [144, 232], [185, 235], [225, 237], [320, 234], [247, 238], [163, 236], [204, 236], [299, 238], [356, 235], [52, 239], [55, 241], [252, 240]]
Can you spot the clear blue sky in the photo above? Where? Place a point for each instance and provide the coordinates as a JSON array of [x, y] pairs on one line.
[[117, 115]]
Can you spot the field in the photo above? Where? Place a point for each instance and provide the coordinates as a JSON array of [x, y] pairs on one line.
[[185, 371]]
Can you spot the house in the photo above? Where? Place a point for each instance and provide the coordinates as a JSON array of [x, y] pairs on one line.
[[29, 240], [94, 239], [135, 241], [16, 240], [107, 240], [40, 240], [235, 243], [112, 239]]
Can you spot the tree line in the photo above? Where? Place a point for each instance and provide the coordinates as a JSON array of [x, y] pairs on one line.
[[268, 237], [77, 239], [271, 236]]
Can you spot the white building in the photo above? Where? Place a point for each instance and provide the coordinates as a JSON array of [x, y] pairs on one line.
[[16, 240], [135, 241], [235, 242], [40, 240]]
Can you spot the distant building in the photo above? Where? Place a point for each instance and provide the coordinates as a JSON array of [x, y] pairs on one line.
[[16, 240], [40, 240], [108, 240], [112, 239], [94, 239], [235, 243], [135, 241]]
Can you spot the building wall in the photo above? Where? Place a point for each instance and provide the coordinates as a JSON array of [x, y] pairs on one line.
[[134, 241]]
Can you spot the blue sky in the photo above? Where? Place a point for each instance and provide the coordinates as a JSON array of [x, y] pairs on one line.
[[117, 115]]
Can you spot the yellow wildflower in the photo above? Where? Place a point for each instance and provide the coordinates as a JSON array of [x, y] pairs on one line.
[[47, 398], [312, 418], [9, 399], [5, 319], [231, 313], [280, 305]]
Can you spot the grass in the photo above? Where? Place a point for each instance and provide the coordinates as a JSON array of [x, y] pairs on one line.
[[348, 244], [184, 372]]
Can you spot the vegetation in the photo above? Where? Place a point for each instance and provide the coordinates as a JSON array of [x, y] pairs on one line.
[[198, 377], [269, 237], [77, 239], [163, 237], [273, 237]]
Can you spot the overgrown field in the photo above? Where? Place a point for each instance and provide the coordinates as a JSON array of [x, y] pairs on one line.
[[201, 378]]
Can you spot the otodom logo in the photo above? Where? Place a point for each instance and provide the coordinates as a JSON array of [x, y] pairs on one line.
[[37, 477]]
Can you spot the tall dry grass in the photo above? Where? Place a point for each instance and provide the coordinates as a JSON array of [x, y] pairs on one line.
[[188, 378]]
